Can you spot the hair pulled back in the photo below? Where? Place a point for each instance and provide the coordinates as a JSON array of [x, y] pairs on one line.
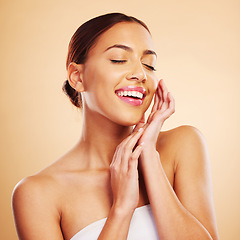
[[82, 41]]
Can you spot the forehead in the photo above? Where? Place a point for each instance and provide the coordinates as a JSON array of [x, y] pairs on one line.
[[133, 35]]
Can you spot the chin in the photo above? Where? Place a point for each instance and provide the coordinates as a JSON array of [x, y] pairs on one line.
[[129, 120]]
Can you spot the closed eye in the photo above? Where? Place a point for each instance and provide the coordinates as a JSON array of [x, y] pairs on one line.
[[123, 61], [118, 61], [149, 67]]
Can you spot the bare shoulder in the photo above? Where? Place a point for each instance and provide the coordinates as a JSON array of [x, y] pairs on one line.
[[178, 147], [35, 208], [53, 183], [182, 141], [35, 194], [38, 201], [47, 184], [181, 135], [36, 186]]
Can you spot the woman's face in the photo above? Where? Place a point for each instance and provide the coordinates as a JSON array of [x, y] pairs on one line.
[[118, 75]]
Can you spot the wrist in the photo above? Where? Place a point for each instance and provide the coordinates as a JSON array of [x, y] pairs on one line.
[[149, 149], [120, 212], [149, 154]]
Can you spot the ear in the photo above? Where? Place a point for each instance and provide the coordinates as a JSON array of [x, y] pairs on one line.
[[75, 72]]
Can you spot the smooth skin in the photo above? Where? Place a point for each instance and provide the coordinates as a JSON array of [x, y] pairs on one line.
[[114, 169]]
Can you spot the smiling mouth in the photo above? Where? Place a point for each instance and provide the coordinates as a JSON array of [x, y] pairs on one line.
[[131, 95]]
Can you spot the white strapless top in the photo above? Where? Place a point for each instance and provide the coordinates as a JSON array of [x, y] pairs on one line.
[[142, 227]]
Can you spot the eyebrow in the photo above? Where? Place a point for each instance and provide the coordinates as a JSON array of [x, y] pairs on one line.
[[146, 52], [129, 49]]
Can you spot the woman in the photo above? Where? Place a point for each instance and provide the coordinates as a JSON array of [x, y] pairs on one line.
[[119, 182]]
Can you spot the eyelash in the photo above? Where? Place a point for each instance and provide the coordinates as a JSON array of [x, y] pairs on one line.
[[118, 61], [123, 61], [150, 67]]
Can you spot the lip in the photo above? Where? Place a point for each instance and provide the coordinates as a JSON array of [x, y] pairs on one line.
[[130, 100], [133, 88]]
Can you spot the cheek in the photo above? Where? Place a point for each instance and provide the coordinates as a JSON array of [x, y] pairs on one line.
[[93, 79], [153, 83], [101, 74], [152, 86], [99, 84]]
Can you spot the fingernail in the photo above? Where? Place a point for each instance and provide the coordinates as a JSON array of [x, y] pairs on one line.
[[141, 144], [140, 129]]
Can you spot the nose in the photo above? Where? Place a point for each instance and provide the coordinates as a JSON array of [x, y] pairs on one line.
[[137, 73]]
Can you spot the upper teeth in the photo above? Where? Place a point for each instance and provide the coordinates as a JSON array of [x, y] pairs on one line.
[[131, 94]]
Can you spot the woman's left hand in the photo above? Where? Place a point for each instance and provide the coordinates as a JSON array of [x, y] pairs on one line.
[[163, 108]]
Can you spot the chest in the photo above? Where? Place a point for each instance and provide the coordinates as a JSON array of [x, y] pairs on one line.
[[142, 226], [88, 199]]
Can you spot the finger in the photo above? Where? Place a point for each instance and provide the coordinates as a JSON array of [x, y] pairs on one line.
[[127, 149], [164, 107], [163, 115], [132, 135], [116, 157], [157, 102], [161, 103], [140, 124], [157, 99], [164, 89], [130, 144], [160, 93], [133, 162], [171, 103], [118, 152], [165, 102], [163, 112], [150, 117]]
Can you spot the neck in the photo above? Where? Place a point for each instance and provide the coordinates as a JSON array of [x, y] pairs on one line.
[[99, 139]]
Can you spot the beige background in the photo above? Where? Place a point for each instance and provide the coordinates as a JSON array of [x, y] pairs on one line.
[[198, 47]]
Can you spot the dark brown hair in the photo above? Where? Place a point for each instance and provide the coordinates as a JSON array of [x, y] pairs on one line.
[[84, 38]]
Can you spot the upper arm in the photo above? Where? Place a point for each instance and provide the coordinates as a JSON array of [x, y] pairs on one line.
[[192, 182], [35, 215]]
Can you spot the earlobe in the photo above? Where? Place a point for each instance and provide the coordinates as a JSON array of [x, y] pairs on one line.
[[75, 76]]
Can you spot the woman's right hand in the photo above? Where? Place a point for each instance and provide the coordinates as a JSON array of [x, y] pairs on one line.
[[124, 173]]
